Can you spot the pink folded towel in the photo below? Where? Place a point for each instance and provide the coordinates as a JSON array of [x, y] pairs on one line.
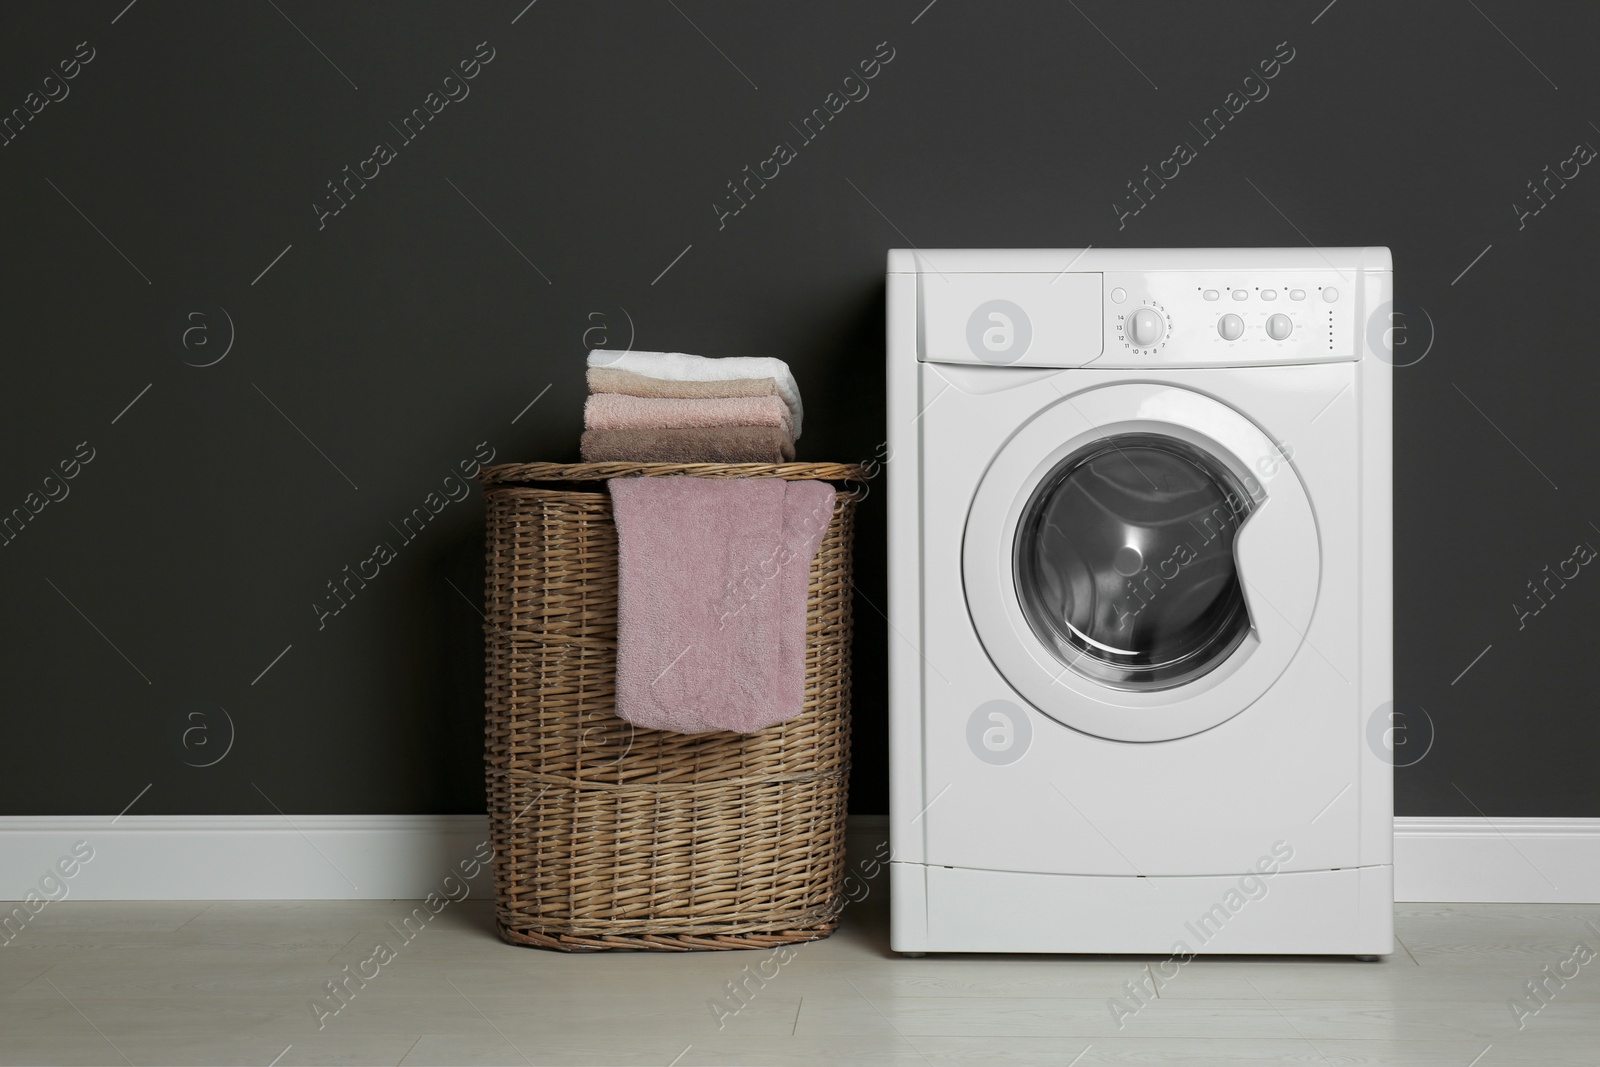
[[711, 599], [615, 411]]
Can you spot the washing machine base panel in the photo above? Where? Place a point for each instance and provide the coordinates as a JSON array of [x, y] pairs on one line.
[[1349, 911]]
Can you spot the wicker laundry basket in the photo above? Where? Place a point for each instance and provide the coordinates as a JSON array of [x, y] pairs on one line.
[[608, 836]]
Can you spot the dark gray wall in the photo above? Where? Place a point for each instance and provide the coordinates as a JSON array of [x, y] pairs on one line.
[[534, 216]]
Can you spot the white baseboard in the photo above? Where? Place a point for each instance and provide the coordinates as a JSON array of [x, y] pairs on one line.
[[1547, 861], [404, 857], [241, 857]]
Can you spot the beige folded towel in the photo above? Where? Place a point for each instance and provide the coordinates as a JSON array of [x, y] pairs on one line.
[[716, 444], [615, 411], [626, 382]]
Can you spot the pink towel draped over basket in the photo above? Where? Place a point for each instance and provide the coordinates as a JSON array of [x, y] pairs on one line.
[[711, 599]]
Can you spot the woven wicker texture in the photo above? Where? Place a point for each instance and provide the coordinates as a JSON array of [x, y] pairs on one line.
[[611, 837]]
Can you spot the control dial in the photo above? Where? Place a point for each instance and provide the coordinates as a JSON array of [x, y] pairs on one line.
[[1145, 327], [1231, 327], [1279, 327]]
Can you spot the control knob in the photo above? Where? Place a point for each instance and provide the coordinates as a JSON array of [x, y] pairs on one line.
[[1145, 327]]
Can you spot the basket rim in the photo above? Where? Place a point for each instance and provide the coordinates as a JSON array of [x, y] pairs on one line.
[[518, 473]]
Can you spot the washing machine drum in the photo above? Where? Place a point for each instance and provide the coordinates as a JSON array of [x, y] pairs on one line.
[[1140, 561], [1124, 562]]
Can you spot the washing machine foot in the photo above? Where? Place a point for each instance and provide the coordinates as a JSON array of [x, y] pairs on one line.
[[1368, 959], [913, 955]]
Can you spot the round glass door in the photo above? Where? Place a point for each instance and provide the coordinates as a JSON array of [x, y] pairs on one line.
[[1124, 562]]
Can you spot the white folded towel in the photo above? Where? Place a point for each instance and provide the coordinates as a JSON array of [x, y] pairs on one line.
[[682, 367]]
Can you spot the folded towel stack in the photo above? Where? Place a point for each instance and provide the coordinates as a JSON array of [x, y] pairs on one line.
[[669, 407]]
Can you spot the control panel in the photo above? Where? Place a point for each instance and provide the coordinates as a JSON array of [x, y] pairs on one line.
[[1185, 318], [1189, 318]]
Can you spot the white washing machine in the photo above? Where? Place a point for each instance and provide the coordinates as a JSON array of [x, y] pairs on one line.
[[1140, 561]]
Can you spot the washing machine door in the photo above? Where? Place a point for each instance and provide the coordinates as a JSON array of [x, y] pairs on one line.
[[1141, 562]]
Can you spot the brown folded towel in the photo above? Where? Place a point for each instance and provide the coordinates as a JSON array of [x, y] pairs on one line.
[[611, 380], [698, 444]]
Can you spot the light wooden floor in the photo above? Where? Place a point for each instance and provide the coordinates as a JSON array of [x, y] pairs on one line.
[[229, 983]]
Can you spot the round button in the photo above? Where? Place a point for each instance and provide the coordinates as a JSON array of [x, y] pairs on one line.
[[1279, 327], [1231, 327], [1240, 294], [1118, 295], [1144, 327], [1211, 294], [1297, 294], [1269, 294], [1330, 294]]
